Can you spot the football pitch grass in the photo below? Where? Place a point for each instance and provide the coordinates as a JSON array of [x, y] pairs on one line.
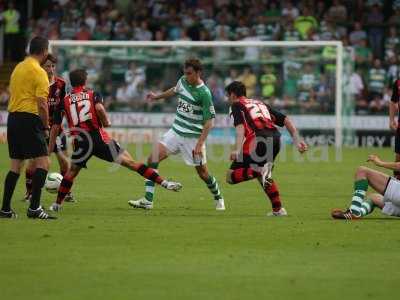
[[100, 248]]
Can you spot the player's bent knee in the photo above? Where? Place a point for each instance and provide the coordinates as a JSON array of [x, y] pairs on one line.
[[361, 171]]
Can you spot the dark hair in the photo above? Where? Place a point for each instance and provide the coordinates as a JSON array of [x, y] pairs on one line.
[[77, 77], [50, 57], [38, 45], [237, 88], [194, 63]]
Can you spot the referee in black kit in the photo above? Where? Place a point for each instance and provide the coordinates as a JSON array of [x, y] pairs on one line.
[[27, 127]]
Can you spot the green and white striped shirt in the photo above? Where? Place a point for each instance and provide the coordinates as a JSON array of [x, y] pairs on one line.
[[195, 107]]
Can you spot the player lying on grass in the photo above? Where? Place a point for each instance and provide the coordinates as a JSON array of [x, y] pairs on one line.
[[388, 188], [257, 142], [193, 121], [56, 94], [86, 118]]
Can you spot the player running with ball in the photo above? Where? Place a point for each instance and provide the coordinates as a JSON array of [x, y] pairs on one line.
[[257, 142], [86, 118], [193, 121]]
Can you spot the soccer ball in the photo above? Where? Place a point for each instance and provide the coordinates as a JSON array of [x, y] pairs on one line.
[[53, 182]]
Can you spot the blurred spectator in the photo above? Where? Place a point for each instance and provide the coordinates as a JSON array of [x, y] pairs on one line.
[[56, 13], [323, 91], [233, 75], [356, 85], [337, 12], [290, 33], [242, 30], [376, 85], [135, 73], [307, 85], [394, 20], [363, 54], [83, 33], [320, 10], [393, 70], [392, 43], [90, 19], [268, 81], [215, 84], [123, 100], [249, 79], [121, 29], [53, 32], [4, 96], [265, 31], [11, 18], [68, 28], [143, 33], [374, 20], [357, 34], [273, 13], [252, 53], [43, 21], [305, 22], [289, 10], [222, 30]]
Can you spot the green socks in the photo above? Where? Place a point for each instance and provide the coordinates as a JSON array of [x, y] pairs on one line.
[[150, 185], [212, 185], [360, 190]]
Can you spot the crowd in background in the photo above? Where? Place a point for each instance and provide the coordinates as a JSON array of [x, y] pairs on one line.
[[370, 29]]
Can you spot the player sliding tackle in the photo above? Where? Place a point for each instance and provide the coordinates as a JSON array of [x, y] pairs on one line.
[[86, 118], [388, 188], [257, 142]]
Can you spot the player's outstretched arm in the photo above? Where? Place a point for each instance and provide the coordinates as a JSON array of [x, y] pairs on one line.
[[239, 142], [395, 166], [166, 94], [300, 144], [393, 111], [102, 114]]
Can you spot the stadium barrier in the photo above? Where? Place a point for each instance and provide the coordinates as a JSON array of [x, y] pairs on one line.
[[371, 131]]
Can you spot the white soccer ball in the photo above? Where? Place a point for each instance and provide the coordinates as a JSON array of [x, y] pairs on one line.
[[53, 182]]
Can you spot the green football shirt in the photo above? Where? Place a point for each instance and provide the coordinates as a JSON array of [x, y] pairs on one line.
[[195, 107]]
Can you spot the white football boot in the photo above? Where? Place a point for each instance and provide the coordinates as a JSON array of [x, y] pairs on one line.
[[141, 203], [220, 204], [171, 185], [280, 213], [55, 207]]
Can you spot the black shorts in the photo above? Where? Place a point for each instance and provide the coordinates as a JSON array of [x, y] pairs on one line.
[[266, 150], [89, 144], [25, 136], [397, 142], [61, 143]]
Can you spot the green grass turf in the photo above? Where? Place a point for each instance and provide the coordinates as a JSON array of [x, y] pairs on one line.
[[183, 249]]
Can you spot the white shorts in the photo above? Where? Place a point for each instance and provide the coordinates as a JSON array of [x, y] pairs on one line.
[[391, 198], [178, 144]]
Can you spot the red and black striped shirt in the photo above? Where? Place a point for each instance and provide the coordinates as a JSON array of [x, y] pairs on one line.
[[56, 94], [256, 116], [79, 107]]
